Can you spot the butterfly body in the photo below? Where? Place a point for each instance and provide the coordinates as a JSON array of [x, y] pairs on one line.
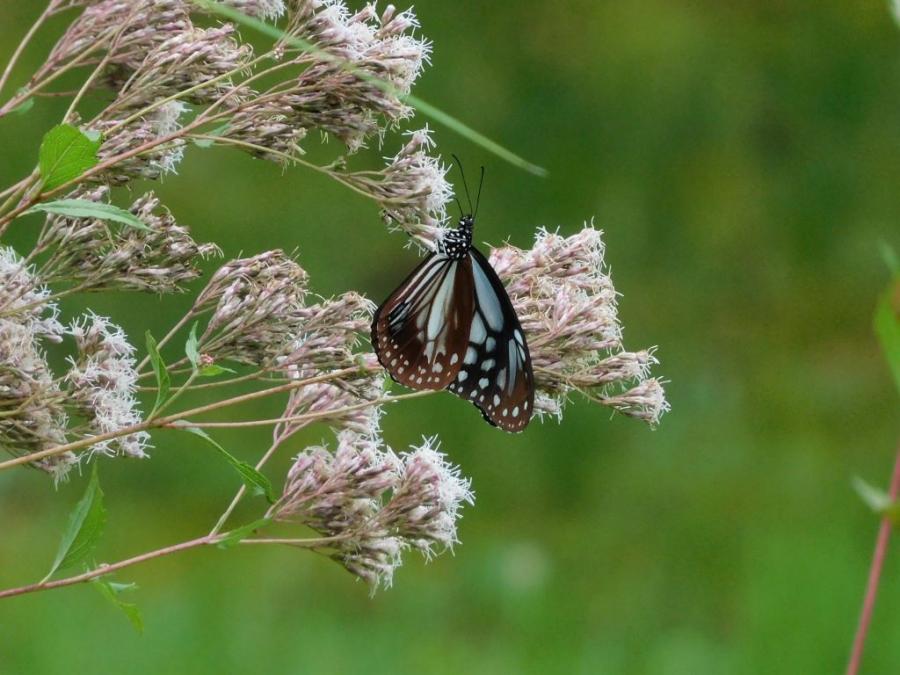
[[451, 325]]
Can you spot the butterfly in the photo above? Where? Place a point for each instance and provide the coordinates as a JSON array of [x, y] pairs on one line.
[[451, 325]]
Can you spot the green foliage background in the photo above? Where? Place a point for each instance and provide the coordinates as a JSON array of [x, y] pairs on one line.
[[742, 158]]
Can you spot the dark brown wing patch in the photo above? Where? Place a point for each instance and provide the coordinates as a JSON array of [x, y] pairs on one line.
[[420, 332]]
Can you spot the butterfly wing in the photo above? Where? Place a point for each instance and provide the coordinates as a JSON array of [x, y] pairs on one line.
[[420, 333], [496, 372]]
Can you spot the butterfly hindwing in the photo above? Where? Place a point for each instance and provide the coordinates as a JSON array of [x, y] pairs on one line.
[[420, 333], [496, 373]]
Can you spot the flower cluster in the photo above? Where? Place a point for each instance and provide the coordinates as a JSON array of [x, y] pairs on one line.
[[412, 189], [198, 61], [258, 308], [32, 414], [566, 301], [157, 132], [159, 258], [124, 29], [103, 380], [352, 89], [370, 504], [331, 335]]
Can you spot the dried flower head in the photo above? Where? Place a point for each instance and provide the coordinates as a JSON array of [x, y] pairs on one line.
[[102, 379], [127, 29], [566, 302], [97, 255], [165, 155], [268, 10], [185, 62], [258, 309]]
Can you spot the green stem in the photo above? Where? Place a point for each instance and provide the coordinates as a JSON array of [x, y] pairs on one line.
[[4, 78]]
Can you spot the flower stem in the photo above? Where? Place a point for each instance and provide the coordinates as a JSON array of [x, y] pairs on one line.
[[242, 491], [104, 569], [308, 417], [169, 419], [881, 544], [107, 569]]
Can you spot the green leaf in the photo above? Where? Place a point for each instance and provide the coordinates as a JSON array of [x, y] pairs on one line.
[[237, 535], [887, 327], [890, 258], [425, 108], [209, 142], [65, 154], [163, 382], [878, 500], [85, 528], [214, 369], [24, 106], [111, 590], [85, 208], [192, 347], [256, 482]]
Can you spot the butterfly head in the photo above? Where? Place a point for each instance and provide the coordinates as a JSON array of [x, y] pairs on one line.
[[457, 242]]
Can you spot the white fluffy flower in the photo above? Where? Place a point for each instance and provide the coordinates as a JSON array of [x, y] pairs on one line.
[[103, 379]]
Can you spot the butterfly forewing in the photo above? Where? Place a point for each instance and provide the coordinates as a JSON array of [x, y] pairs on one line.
[[496, 372], [420, 333]]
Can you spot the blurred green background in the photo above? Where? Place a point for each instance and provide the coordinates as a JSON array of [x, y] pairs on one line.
[[742, 158]]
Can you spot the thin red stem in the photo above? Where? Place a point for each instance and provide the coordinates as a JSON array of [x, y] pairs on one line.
[[107, 569], [881, 545]]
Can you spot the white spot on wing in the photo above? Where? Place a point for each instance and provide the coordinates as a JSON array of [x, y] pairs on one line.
[[471, 355], [478, 332]]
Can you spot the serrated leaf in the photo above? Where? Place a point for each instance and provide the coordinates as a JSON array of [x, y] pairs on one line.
[[111, 590], [237, 535], [214, 369], [255, 481], [85, 528], [65, 154], [163, 381], [192, 347], [85, 208], [887, 327]]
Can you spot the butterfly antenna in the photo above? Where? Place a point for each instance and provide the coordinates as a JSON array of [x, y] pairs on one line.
[[478, 198], [465, 184], [458, 205]]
